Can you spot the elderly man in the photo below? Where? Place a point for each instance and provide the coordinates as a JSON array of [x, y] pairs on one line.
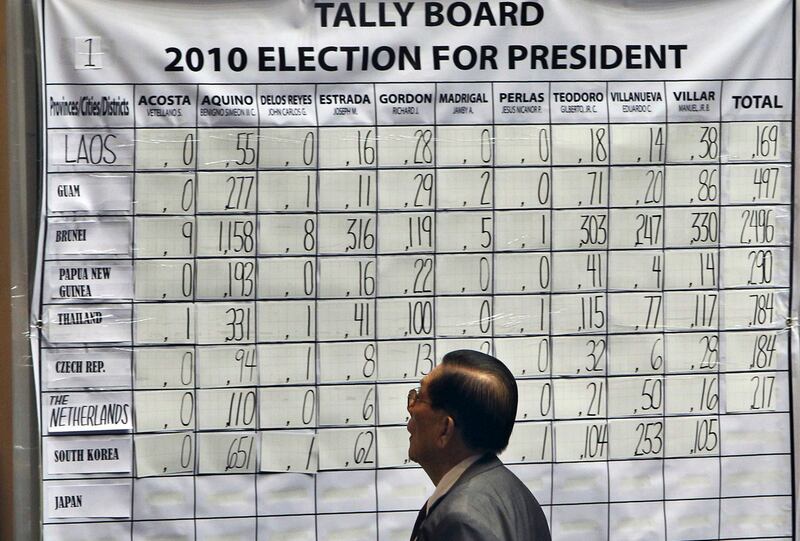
[[461, 417]]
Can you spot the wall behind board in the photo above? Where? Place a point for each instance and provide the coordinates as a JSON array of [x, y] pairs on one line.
[[19, 165]]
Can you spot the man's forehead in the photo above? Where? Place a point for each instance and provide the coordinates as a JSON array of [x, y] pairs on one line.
[[429, 376]]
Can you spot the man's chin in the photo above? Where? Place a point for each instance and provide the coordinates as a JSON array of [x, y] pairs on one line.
[[411, 456]]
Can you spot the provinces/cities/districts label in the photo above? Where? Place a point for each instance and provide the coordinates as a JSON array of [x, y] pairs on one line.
[[97, 280], [89, 499], [91, 368], [98, 411], [96, 323], [101, 454]]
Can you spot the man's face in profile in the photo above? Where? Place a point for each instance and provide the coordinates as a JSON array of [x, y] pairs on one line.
[[423, 423]]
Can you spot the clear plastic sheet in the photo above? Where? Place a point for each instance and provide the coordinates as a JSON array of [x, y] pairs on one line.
[[247, 258]]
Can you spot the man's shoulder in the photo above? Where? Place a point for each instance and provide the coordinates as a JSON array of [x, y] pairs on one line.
[[491, 479], [493, 501], [486, 487]]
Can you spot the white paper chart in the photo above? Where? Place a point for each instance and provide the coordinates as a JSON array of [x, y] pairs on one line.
[[264, 222]]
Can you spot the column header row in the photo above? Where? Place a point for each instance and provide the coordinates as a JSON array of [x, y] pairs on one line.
[[410, 104]]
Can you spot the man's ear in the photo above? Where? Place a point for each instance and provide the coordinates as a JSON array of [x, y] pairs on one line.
[[447, 431]]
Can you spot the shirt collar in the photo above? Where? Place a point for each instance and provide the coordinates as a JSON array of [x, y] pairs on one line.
[[449, 479]]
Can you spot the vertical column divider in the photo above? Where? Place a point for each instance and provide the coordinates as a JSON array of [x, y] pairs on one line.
[[608, 313], [375, 306], [133, 302], [257, 427], [492, 349], [550, 304], [721, 307], [664, 313], [435, 216], [194, 299], [315, 345]]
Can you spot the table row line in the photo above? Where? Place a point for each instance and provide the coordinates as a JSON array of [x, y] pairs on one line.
[[417, 190], [386, 277], [367, 448], [641, 399], [107, 149], [659, 480], [418, 233], [249, 322], [330, 363], [735, 519]]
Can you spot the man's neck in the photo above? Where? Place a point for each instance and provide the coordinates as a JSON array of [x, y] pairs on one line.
[[449, 480], [450, 460]]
